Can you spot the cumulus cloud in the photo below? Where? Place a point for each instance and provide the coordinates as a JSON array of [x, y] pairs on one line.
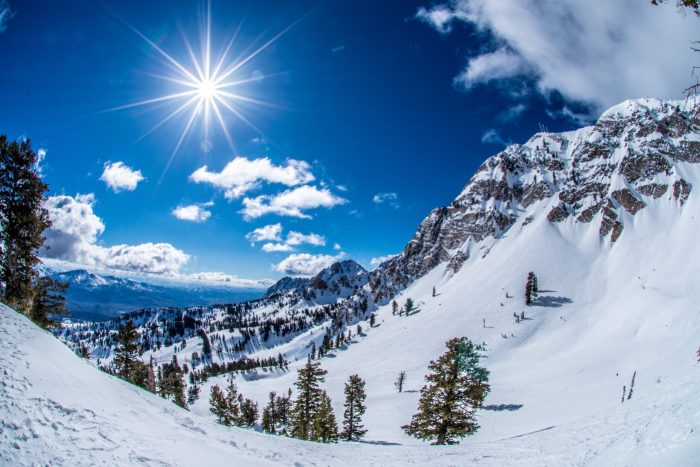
[[119, 176], [242, 175], [5, 14], [277, 247], [597, 55], [336, 246], [74, 228], [388, 199], [298, 238], [496, 65], [154, 258], [74, 233], [376, 261], [192, 212], [305, 264], [291, 203], [271, 232]]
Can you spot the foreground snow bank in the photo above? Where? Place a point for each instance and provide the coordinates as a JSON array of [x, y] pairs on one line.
[[57, 409]]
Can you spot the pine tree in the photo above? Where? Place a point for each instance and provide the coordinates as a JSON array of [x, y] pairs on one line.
[[232, 402], [126, 353], [248, 412], [409, 306], [394, 307], [48, 301], [307, 403], [530, 288], [434, 291], [23, 219], [172, 383], [372, 320], [218, 405], [457, 386], [269, 420], [325, 428], [354, 409]]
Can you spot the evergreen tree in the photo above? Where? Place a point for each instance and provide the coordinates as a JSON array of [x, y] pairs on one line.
[[434, 291], [325, 428], [23, 219], [307, 403], [248, 412], [126, 353], [172, 383], [283, 407], [530, 288], [457, 386], [232, 402], [269, 421], [394, 307], [372, 320], [218, 406], [354, 409], [409, 306], [48, 301]]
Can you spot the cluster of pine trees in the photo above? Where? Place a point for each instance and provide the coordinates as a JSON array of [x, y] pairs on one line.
[[309, 417], [23, 220], [231, 408]]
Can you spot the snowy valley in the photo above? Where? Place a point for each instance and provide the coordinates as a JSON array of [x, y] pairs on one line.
[[600, 369]]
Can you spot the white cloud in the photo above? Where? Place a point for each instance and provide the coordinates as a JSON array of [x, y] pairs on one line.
[[74, 228], [496, 65], [120, 177], [73, 237], [220, 278], [242, 175], [5, 15], [305, 264], [389, 199], [492, 136], [336, 246], [511, 113], [271, 232], [598, 54], [376, 261], [297, 238], [440, 17], [192, 213], [154, 258], [291, 203], [277, 247]]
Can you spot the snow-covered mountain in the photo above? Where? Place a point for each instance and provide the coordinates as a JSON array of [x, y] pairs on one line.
[[596, 179], [606, 218], [97, 297]]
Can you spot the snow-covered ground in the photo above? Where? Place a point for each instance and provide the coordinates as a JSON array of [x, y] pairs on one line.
[[557, 378]]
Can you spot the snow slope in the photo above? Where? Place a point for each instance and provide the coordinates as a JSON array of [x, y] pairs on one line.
[[59, 410]]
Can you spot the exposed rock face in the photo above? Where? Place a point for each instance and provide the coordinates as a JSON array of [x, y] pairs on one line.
[[596, 175]]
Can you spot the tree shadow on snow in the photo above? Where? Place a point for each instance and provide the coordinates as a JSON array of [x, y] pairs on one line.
[[503, 407], [551, 302]]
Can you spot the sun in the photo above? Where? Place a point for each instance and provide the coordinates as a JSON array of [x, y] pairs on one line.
[[211, 88]]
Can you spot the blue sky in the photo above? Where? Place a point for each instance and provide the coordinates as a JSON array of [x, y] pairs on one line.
[[378, 112]]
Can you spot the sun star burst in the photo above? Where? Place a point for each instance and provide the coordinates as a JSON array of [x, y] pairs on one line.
[[207, 91]]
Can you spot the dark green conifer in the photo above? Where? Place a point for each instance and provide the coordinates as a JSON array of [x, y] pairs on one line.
[[308, 401], [354, 409], [457, 385]]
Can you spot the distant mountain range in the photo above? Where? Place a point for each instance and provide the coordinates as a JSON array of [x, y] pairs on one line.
[[98, 297]]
